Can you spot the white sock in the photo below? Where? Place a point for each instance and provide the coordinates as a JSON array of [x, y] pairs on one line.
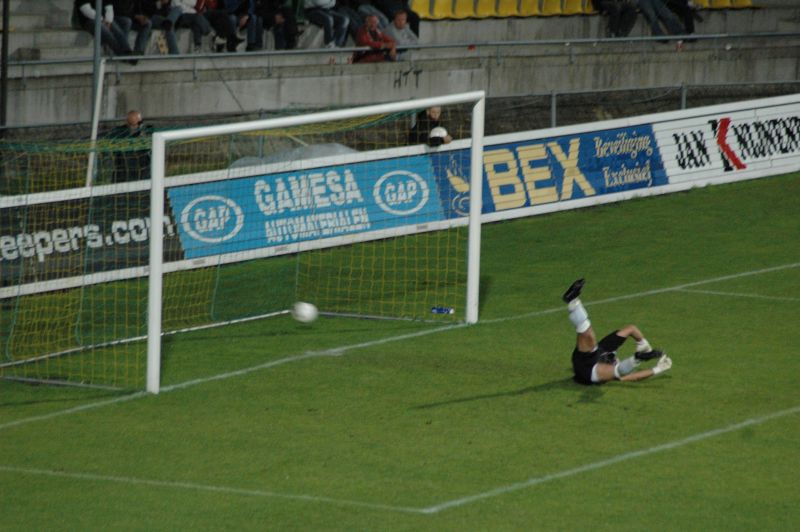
[[643, 346], [578, 316], [625, 367]]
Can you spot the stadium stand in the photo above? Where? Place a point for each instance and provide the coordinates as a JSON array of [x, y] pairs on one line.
[[486, 9], [41, 30], [529, 8]]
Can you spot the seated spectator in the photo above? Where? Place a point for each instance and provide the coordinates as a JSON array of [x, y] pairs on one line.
[[243, 17], [111, 35], [424, 123], [284, 29], [278, 17], [687, 12], [382, 47], [365, 7], [132, 156], [214, 12], [389, 7], [193, 20], [621, 15], [401, 33], [128, 15], [656, 12], [162, 15], [354, 18], [334, 24]]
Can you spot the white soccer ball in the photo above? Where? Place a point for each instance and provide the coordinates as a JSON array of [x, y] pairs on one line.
[[304, 312]]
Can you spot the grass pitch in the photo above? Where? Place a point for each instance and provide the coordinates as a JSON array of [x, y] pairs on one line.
[[361, 425]]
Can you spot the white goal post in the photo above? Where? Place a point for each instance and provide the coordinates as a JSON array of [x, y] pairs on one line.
[[159, 183]]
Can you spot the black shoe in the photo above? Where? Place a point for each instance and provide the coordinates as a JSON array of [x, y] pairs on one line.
[[650, 355], [233, 43], [573, 291]]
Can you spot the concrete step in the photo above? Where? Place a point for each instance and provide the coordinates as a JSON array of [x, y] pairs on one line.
[[41, 6], [50, 38]]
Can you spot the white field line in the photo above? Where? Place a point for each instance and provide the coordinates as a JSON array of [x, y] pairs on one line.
[[502, 490], [738, 294], [454, 503], [339, 351], [226, 490]]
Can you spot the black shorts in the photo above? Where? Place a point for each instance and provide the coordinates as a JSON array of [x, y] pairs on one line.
[[583, 362]]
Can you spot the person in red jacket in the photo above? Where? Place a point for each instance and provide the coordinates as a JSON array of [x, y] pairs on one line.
[[382, 47]]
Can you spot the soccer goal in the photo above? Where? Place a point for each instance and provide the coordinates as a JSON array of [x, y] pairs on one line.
[[343, 209], [373, 233]]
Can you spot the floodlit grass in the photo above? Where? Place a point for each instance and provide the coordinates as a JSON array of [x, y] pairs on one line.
[[411, 422]]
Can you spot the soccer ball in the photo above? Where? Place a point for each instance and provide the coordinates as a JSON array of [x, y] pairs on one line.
[[304, 312]]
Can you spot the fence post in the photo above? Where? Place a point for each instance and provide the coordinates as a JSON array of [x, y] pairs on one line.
[[684, 90]]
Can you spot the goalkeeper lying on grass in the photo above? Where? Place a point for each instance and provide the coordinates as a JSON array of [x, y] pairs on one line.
[[596, 363]]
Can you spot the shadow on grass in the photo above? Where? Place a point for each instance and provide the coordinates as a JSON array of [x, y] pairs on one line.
[[588, 394], [483, 291]]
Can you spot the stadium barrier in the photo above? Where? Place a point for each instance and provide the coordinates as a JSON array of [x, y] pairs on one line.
[[526, 173]]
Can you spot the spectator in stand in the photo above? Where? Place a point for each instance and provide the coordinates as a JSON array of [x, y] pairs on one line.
[[382, 47], [193, 20], [656, 13], [424, 123], [214, 12], [621, 16], [111, 35], [128, 15], [278, 17], [687, 12], [401, 33], [355, 19], [141, 16], [334, 24], [162, 15], [389, 7], [365, 7], [243, 16], [132, 158]]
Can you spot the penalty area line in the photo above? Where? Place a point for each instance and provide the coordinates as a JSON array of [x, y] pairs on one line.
[[738, 294], [502, 490], [226, 490]]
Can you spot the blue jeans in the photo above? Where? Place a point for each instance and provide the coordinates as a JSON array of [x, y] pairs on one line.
[[655, 10], [114, 37], [255, 32], [172, 17], [142, 32], [198, 24], [332, 23]]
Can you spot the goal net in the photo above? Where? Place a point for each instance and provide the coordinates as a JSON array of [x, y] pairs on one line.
[[341, 209]]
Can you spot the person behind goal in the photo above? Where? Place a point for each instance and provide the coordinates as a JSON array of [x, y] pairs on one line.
[[596, 362]]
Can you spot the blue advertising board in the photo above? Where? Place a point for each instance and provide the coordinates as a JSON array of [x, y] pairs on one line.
[[283, 208], [527, 173]]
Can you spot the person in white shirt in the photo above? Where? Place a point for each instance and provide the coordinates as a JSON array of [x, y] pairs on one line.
[[111, 34], [401, 33]]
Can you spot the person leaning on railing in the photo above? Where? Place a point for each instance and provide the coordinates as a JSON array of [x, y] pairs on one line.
[[382, 47], [131, 150], [401, 33]]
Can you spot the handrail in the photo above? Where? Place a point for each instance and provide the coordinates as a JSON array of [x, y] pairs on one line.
[[583, 41]]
